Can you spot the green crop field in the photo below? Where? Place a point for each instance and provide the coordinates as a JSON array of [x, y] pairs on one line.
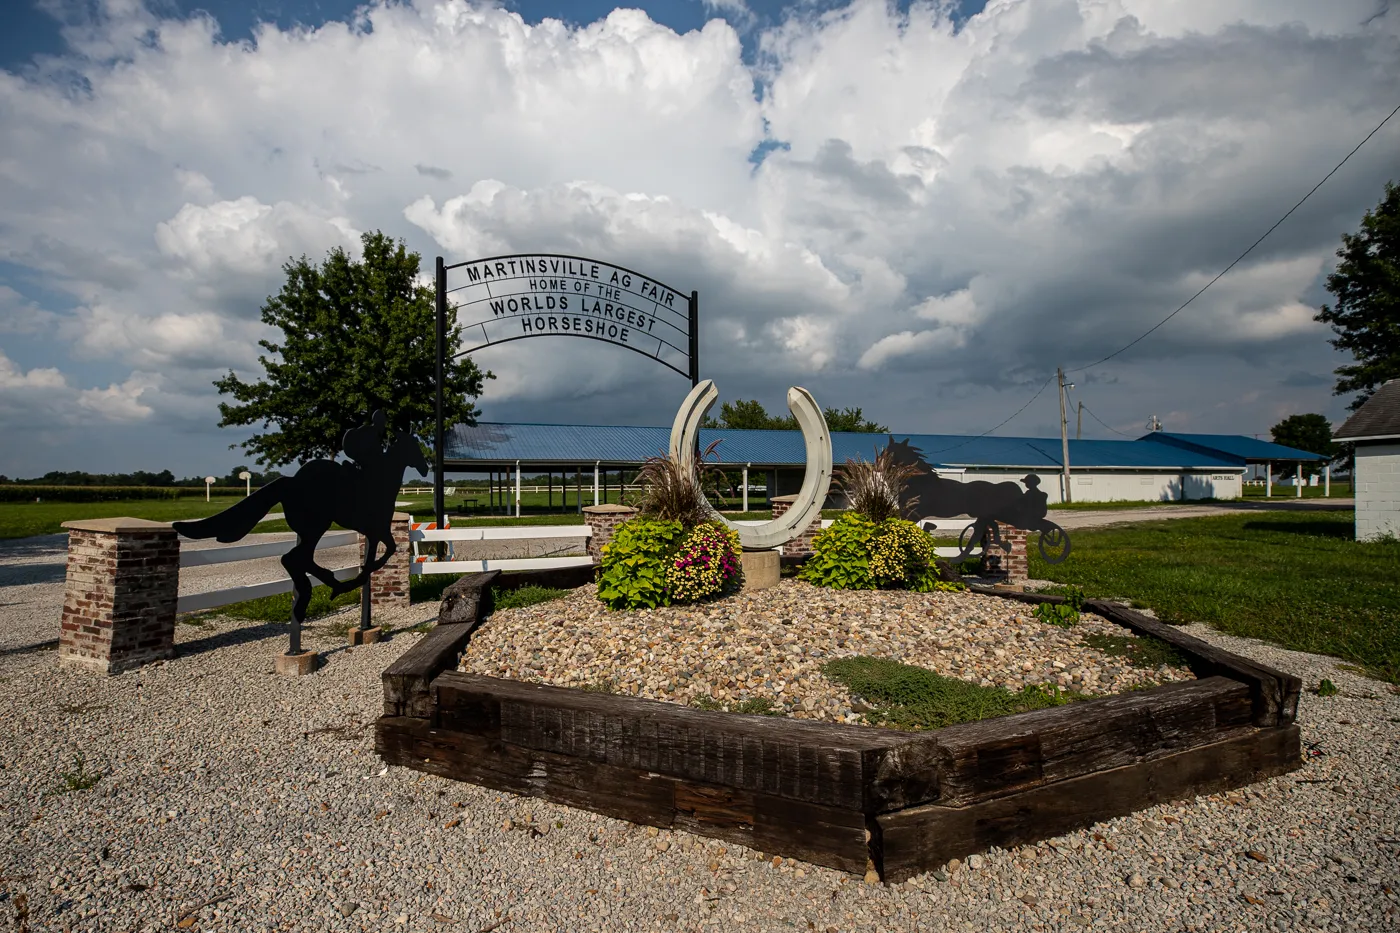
[[22, 519]]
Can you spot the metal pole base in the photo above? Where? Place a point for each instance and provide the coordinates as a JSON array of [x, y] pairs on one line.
[[365, 636], [297, 665]]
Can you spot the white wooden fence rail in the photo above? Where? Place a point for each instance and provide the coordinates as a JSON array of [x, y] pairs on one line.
[[234, 552], [199, 602]]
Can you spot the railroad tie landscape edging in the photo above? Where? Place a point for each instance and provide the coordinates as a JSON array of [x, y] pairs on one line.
[[853, 798]]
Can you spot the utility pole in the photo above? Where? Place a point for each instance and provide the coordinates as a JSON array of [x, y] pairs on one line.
[[1079, 425], [1064, 433]]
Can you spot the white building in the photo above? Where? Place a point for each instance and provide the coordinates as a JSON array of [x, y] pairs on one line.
[[1375, 430]]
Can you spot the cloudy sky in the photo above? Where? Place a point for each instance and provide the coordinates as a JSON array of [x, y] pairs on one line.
[[919, 209]]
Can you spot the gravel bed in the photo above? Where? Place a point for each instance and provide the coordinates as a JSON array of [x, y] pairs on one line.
[[260, 798], [771, 644]]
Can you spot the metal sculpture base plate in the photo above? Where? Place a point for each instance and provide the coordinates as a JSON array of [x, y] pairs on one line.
[[762, 569], [365, 636]]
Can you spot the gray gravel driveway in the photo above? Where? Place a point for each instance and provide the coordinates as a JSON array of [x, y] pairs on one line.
[[225, 797]]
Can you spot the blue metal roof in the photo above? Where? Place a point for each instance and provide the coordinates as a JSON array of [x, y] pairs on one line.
[[584, 444], [1234, 446]]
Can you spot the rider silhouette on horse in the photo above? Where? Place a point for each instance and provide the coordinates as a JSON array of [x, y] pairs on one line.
[[358, 496]]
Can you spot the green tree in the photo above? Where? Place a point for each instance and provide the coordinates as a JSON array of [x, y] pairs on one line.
[[356, 336], [852, 419], [750, 415], [1366, 285], [1312, 433]]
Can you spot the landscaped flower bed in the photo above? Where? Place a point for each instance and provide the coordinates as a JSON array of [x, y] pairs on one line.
[[885, 801], [773, 651]]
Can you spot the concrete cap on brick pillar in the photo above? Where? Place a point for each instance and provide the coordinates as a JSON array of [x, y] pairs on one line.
[[401, 516], [788, 499], [115, 525], [608, 509]]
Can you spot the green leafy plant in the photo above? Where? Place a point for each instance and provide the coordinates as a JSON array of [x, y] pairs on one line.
[[707, 564], [632, 573], [79, 778], [1066, 614], [528, 596], [1060, 614], [1327, 689], [856, 553], [903, 696], [841, 554]]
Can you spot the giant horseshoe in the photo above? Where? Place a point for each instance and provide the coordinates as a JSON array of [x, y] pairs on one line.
[[816, 481]]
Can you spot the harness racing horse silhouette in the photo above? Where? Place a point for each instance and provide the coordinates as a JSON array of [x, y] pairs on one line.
[[357, 496], [932, 496]]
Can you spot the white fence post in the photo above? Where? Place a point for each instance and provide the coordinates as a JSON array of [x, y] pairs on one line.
[[517, 489], [746, 486], [595, 482]]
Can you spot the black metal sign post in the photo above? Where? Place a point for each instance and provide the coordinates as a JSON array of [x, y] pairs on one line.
[[545, 294], [694, 339], [439, 507]]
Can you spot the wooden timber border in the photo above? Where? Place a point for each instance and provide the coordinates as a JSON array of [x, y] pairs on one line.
[[853, 798]]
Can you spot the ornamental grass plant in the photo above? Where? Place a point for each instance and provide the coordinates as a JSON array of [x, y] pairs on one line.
[[876, 489]]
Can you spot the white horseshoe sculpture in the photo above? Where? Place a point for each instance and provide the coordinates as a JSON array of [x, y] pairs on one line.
[[816, 482]]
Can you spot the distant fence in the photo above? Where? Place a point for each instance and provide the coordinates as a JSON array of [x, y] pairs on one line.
[[10, 492]]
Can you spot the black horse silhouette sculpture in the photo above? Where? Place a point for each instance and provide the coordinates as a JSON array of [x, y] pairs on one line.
[[932, 496], [358, 496]]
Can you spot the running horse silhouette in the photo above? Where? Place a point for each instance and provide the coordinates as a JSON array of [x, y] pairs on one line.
[[358, 496], [932, 496]]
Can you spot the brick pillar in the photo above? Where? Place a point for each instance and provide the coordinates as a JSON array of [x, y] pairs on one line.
[[1012, 566], [119, 602], [602, 522], [389, 585], [802, 544]]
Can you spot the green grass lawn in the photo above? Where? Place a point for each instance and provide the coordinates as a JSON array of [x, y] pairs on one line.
[[22, 519], [1296, 579], [1124, 504], [1339, 490]]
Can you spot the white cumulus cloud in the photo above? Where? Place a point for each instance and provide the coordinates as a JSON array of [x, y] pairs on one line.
[[941, 213]]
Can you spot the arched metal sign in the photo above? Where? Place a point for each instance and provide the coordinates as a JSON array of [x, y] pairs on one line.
[[515, 297]]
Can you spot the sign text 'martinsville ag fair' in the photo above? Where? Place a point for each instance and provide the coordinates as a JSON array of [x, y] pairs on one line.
[[514, 297]]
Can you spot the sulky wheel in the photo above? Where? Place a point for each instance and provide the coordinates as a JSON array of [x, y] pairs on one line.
[[1054, 544], [967, 541]]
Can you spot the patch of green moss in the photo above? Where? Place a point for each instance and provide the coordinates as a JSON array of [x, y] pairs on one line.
[[906, 697], [1146, 652]]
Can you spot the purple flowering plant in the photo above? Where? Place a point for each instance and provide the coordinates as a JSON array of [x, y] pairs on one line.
[[706, 565]]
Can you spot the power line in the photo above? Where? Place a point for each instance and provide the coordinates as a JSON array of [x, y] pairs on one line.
[[1101, 421], [990, 430], [1188, 301], [1246, 252]]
